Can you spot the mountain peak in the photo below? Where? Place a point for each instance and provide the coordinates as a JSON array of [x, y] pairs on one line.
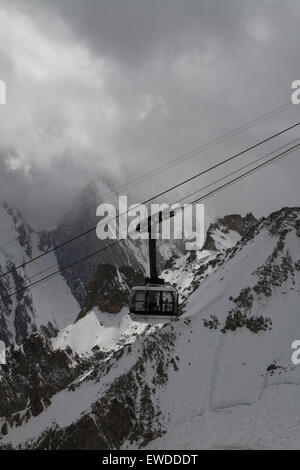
[[226, 231]]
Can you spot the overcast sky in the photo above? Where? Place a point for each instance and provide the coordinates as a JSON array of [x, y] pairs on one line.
[[119, 87]]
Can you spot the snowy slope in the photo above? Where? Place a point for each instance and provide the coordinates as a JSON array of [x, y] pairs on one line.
[[99, 329], [187, 272], [273, 422]]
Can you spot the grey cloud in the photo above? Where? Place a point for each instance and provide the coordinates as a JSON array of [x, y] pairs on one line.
[[121, 87]]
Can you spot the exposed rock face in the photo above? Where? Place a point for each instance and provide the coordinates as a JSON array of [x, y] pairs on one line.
[[234, 223], [109, 289], [24, 231], [28, 311], [112, 418], [129, 396], [32, 374]]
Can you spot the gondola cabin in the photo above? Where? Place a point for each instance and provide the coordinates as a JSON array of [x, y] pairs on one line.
[[153, 303]]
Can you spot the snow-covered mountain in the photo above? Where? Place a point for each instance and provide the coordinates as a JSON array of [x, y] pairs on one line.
[[219, 377], [189, 270], [47, 307], [110, 286]]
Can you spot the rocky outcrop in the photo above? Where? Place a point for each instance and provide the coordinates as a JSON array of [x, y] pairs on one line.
[[235, 223], [33, 373], [110, 288]]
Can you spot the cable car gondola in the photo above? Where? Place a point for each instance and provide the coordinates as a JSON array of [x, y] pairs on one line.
[[154, 302]]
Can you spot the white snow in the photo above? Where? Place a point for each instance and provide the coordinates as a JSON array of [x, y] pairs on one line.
[[273, 422], [225, 241], [105, 330]]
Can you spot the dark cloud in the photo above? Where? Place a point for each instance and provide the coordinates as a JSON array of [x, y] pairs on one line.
[[121, 87]]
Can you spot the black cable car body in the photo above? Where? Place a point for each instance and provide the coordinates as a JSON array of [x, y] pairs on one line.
[[156, 301]]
